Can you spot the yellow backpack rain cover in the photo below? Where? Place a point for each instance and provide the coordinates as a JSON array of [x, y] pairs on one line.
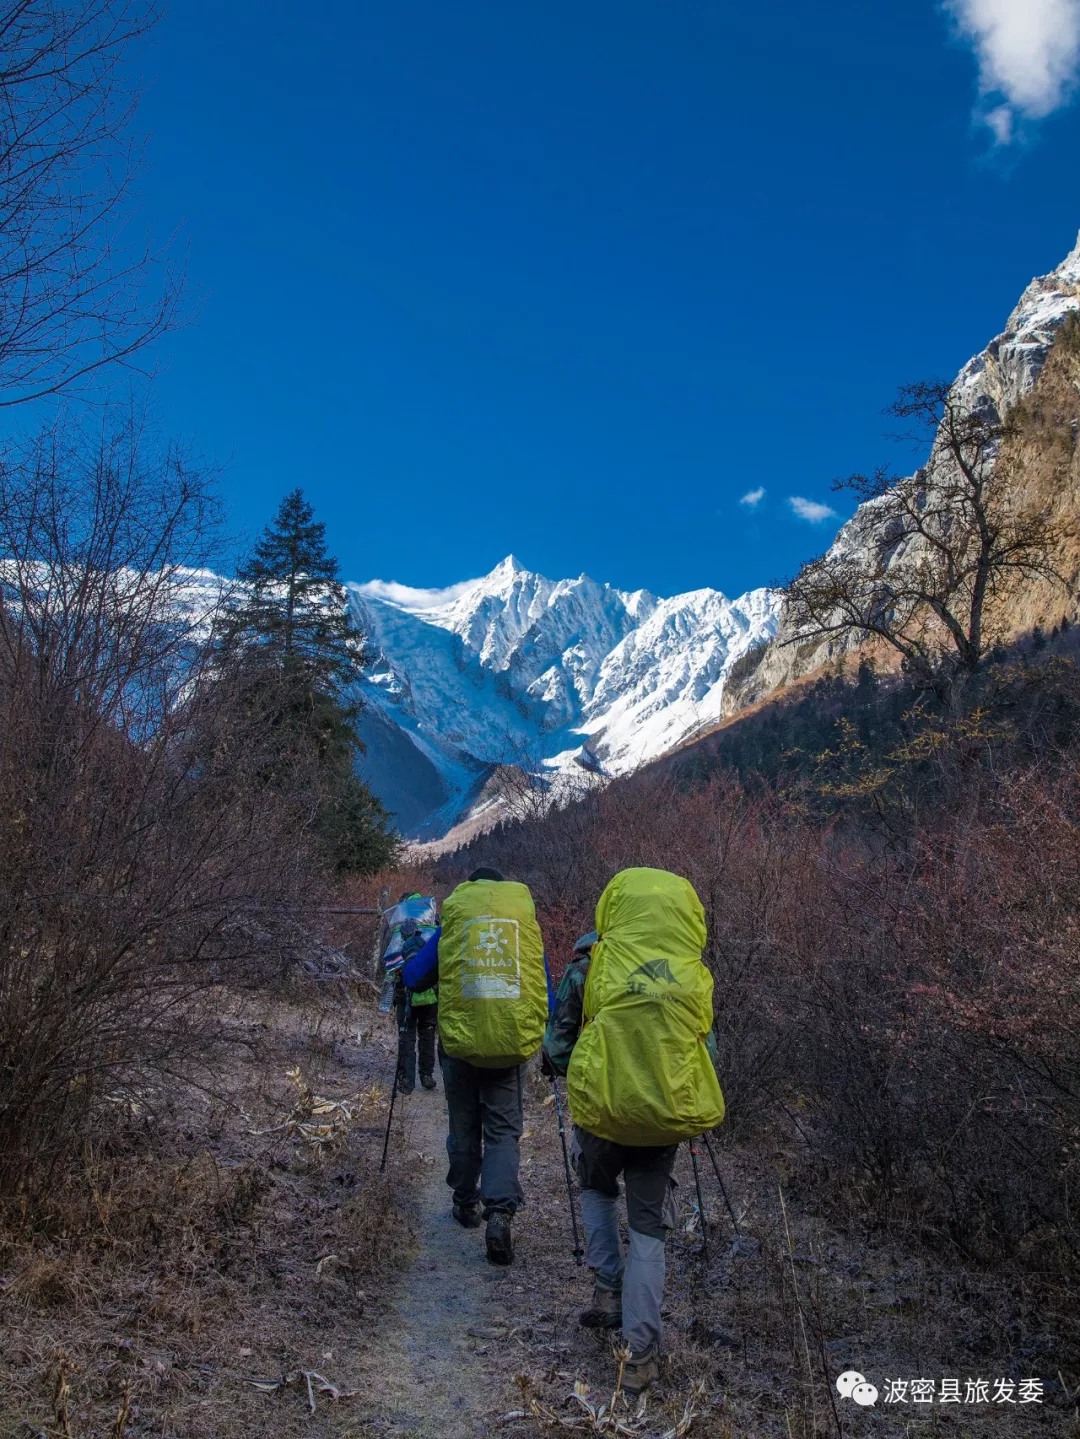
[[640, 1072], [492, 988]]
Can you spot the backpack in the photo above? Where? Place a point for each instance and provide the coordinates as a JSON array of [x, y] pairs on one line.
[[492, 984], [415, 914], [640, 1073], [412, 944]]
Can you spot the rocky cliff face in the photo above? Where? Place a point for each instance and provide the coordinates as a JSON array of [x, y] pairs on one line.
[[1023, 372]]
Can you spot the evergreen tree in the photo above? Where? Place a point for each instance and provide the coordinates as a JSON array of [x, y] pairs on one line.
[[293, 613], [291, 642]]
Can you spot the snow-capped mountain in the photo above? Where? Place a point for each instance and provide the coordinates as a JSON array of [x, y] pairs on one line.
[[549, 675], [992, 382]]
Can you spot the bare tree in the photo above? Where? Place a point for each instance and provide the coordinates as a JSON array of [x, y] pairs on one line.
[[928, 551], [78, 292], [141, 860]]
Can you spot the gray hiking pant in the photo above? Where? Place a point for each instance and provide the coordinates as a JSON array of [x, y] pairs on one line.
[[647, 1173], [483, 1143]]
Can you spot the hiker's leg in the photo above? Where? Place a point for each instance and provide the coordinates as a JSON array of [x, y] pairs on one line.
[[406, 1054], [598, 1165], [648, 1211], [427, 1023], [410, 1049], [461, 1085], [603, 1251], [501, 1114], [643, 1292]]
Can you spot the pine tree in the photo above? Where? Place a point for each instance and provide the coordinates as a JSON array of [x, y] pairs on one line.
[[293, 613], [291, 642]]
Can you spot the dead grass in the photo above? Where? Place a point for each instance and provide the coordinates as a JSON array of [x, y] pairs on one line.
[[218, 1240]]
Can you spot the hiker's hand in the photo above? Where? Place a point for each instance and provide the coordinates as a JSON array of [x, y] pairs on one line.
[[547, 1069]]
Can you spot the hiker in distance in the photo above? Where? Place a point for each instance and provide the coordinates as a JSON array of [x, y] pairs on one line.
[[417, 1023], [410, 922], [488, 960], [632, 1031]]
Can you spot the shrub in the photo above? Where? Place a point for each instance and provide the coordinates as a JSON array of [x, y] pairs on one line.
[[898, 986], [137, 865]]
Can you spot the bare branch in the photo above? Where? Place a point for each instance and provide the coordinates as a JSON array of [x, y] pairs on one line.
[[916, 566], [78, 292]]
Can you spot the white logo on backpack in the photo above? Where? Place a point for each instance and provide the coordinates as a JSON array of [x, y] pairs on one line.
[[490, 959]]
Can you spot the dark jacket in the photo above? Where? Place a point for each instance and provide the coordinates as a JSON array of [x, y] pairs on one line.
[[564, 1024]]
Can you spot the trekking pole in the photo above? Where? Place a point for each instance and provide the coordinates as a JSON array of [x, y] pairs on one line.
[[578, 1250], [389, 1122], [402, 1029], [723, 1190], [700, 1202]]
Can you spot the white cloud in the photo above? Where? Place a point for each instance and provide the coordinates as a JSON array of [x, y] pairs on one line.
[[811, 510], [753, 498], [1000, 120], [1028, 52], [407, 598]]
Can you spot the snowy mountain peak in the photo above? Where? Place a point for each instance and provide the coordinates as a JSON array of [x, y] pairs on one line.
[[508, 568], [501, 581], [1009, 366], [1069, 269], [518, 668]]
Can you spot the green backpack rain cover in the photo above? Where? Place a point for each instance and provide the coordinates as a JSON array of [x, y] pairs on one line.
[[640, 1073], [492, 987]]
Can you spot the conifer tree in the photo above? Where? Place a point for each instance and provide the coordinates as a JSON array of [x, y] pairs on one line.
[[290, 638], [294, 614]]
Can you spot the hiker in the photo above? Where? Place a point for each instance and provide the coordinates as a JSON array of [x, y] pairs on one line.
[[488, 959], [632, 1031], [407, 926], [417, 1021]]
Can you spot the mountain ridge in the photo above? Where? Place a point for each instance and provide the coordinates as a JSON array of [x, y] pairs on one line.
[[554, 676]]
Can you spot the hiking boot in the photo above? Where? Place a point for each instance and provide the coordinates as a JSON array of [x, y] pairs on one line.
[[428, 1081], [500, 1245], [605, 1311], [469, 1216], [641, 1370]]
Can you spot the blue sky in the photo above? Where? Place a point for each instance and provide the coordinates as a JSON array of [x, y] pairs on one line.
[[567, 279]]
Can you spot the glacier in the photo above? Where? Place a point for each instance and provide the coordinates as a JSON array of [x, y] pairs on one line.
[[553, 676]]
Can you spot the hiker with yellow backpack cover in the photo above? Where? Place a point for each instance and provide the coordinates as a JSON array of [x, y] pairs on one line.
[[632, 1031], [494, 997]]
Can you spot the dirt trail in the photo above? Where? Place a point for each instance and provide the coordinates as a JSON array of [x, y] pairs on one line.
[[442, 1375]]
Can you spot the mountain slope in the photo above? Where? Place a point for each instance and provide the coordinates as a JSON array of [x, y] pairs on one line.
[[518, 669], [996, 380]]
